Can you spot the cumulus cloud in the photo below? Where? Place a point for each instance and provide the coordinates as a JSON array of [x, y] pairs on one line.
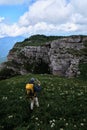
[[11, 30], [50, 17], [49, 11], [56, 15]]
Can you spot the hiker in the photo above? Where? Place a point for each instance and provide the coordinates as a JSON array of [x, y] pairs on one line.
[[32, 89]]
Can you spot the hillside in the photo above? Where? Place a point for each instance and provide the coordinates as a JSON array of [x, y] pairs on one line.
[[63, 101], [62, 56], [63, 104]]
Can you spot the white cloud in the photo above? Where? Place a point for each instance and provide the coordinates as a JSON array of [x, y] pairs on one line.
[[80, 6], [59, 15], [11, 30], [49, 11], [13, 2], [50, 17]]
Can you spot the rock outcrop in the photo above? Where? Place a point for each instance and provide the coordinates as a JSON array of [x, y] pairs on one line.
[[58, 57]]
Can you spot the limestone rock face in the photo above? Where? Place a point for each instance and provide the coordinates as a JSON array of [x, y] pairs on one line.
[[59, 57], [63, 57]]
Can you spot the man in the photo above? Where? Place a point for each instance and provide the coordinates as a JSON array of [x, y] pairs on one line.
[[32, 89]]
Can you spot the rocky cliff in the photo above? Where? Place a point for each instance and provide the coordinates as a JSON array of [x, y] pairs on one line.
[[58, 57]]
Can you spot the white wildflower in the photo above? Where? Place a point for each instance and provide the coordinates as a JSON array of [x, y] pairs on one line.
[[38, 124], [81, 93], [84, 119], [4, 98], [82, 124], [20, 97], [61, 129], [66, 92], [10, 116], [48, 105], [75, 126], [50, 121], [53, 120], [66, 124], [60, 118], [52, 125], [36, 118], [64, 119]]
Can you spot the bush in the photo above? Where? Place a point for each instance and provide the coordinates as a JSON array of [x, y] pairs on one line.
[[83, 70]]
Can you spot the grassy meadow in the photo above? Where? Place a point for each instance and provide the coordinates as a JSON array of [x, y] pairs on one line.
[[63, 104]]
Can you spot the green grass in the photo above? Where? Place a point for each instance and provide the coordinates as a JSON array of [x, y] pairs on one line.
[[63, 104], [36, 40], [83, 70]]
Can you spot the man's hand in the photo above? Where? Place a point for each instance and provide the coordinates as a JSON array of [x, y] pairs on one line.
[[38, 84]]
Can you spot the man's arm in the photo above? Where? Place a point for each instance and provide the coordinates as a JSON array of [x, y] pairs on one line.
[[37, 88]]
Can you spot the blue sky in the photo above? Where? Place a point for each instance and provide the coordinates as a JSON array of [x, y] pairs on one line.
[[12, 13], [48, 17]]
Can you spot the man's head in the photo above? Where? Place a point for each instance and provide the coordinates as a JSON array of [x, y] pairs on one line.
[[32, 80]]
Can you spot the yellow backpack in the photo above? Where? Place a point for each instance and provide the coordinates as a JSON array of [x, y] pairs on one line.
[[29, 88]]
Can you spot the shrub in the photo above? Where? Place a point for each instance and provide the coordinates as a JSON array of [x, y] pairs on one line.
[[83, 70]]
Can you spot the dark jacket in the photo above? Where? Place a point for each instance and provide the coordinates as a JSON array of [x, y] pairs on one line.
[[37, 88]]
